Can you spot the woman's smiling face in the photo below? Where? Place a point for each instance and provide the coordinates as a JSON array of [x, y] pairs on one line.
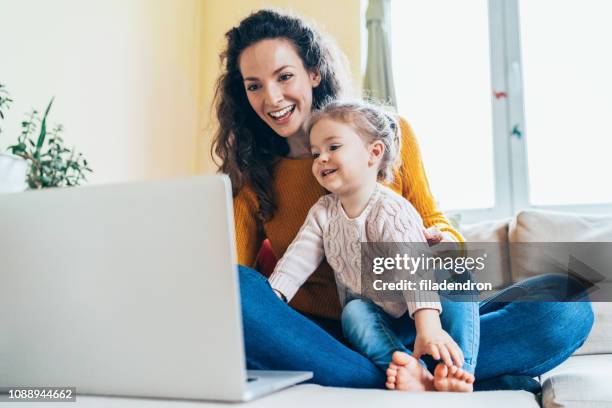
[[278, 86]]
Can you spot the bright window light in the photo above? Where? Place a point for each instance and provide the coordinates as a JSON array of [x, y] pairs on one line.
[[567, 76], [442, 77]]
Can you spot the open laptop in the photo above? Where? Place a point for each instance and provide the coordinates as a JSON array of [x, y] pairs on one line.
[[128, 290]]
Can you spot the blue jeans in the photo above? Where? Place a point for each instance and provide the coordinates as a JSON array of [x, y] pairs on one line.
[[517, 338], [377, 335]]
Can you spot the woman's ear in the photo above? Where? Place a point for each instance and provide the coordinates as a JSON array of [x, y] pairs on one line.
[[315, 78], [377, 151]]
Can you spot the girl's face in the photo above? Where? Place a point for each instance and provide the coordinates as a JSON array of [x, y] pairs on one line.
[[343, 162], [277, 85]]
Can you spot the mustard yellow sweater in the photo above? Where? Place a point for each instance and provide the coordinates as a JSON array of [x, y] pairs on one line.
[[296, 191]]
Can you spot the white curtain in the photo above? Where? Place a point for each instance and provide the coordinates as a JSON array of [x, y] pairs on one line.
[[378, 82]]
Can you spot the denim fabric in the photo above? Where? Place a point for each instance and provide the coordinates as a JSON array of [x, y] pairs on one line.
[[525, 337], [516, 338], [377, 335], [276, 337]]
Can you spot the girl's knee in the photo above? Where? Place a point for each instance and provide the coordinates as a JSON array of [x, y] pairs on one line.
[[355, 307]]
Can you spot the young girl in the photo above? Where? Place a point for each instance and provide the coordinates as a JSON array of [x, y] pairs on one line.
[[354, 146]]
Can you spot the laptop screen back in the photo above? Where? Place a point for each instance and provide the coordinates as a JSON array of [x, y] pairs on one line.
[[124, 289]]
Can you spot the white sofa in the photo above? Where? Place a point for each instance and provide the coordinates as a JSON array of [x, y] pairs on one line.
[[585, 380]]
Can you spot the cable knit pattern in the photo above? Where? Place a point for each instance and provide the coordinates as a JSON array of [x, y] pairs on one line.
[[397, 222], [297, 191], [327, 230]]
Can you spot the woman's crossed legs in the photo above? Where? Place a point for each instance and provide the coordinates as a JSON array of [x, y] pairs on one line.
[[517, 338]]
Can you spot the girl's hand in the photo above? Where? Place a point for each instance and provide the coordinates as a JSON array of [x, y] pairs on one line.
[[440, 345], [433, 235], [433, 340]]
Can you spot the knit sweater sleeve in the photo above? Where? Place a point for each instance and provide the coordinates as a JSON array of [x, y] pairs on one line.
[[403, 225], [304, 254], [248, 239], [415, 186]]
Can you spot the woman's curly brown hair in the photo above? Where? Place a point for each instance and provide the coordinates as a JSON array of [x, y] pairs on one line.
[[247, 147]]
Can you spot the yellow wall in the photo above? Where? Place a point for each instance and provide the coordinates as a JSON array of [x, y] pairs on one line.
[[133, 79], [124, 74]]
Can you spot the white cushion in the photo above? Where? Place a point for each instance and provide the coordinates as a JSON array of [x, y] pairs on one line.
[[581, 381], [313, 396], [317, 396], [600, 339], [498, 263], [544, 226], [549, 226], [486, 231], [13, 173]]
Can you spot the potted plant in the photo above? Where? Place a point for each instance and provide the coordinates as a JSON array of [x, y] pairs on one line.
[[13, 173], [43, 159], [13, 169]]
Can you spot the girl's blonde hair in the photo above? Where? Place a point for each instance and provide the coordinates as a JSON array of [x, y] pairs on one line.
[[372, 123]]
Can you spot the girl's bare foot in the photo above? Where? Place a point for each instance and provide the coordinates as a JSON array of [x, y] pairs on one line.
[[406, 374], [453, 379]]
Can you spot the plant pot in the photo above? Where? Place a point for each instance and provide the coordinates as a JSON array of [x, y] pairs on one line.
[[13, 173]]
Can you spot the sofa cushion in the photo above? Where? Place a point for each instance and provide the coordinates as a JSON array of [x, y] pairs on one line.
[[548, 226], [498, 264], [544, 226], [581, 381], [309, 396], [600, 338]]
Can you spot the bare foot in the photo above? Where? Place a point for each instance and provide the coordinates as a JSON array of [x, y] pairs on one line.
[[453, 379], [406, 374]]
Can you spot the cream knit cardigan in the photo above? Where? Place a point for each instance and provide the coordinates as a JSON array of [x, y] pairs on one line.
[[328, 231]]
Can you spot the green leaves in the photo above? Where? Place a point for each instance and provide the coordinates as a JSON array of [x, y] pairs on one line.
[[52, 163], [43, 129], [5, 102]]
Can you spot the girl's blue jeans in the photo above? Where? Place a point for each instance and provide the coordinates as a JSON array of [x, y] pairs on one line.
[[516, 338], [377, 335]]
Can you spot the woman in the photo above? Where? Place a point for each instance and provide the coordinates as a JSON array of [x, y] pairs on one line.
[[277, 69]]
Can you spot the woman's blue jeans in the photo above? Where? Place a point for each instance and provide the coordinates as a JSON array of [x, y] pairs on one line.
[[516, 338]]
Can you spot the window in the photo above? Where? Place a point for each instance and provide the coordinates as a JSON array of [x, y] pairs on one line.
[[567, 71], [509, 100], [443, 89]]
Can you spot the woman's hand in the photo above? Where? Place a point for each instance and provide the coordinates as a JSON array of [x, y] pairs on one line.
[[433, 340], [433, 235]]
